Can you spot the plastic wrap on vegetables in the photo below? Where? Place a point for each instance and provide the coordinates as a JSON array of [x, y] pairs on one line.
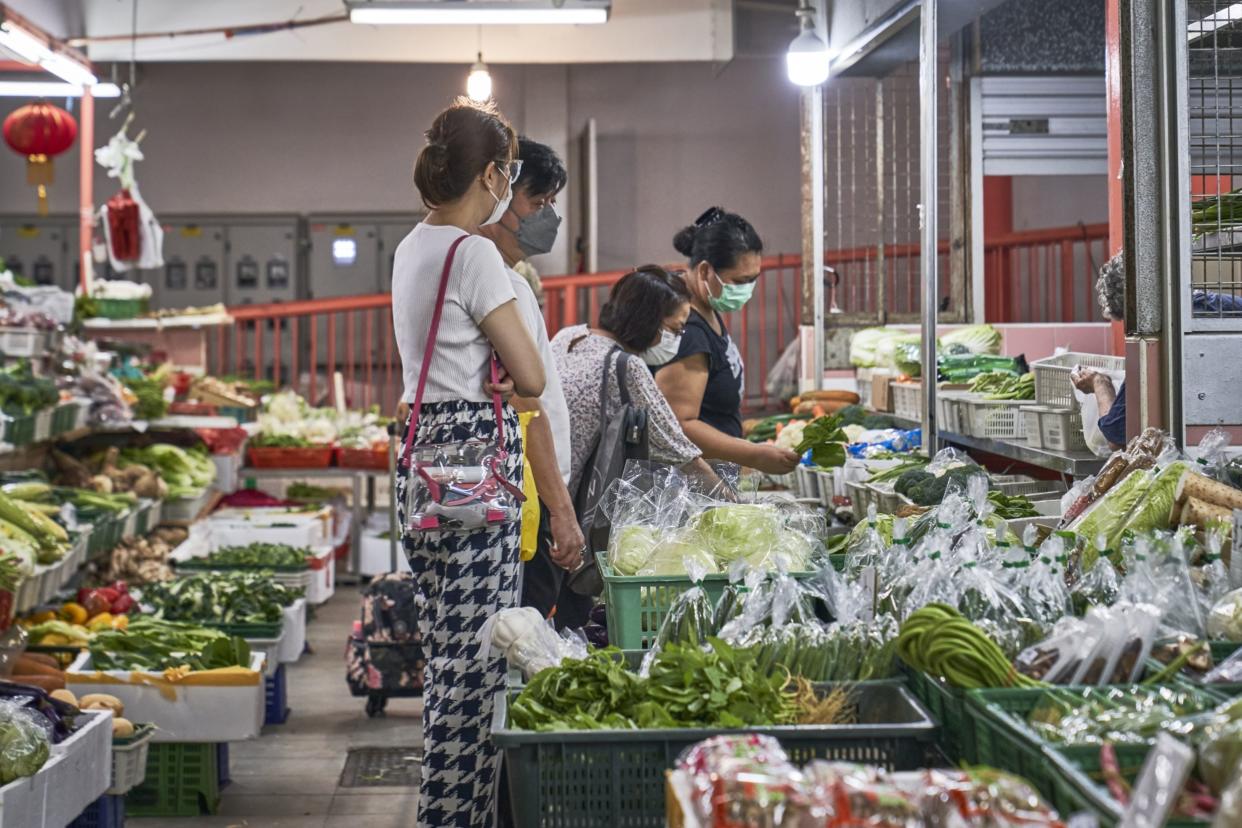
[[1129, 715], [739, 530], [677, 552], [630, 547], [1158, 573], [1210, 456], [1224, 622], [529, 642], [25, 742], [1041, 586]]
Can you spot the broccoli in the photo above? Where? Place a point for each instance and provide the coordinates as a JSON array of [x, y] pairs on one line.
[[909, 480], [852, 415]]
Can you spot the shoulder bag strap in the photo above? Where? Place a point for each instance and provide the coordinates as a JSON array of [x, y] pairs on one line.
[[623, 360], [429, 350], [603, 383]]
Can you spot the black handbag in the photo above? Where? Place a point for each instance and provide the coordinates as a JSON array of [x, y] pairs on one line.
[[622, 437]]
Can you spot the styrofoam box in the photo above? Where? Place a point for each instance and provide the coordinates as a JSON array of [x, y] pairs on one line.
[[238, 527], [77, 772], [375, 557], [269, 648], [293, 641], [322, 583], [229, 709], [228, 469]]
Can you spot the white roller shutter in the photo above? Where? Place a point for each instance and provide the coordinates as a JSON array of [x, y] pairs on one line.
[[1040, 125]]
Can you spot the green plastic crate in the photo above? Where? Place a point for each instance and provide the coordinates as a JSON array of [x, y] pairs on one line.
[[948, 706], [615, 779], [256, 632], [1004, 740], [181, 780], [64, 417], [1077, 785], [637, 604], [20, 431]]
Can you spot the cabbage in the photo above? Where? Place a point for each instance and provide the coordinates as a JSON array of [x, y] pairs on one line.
[[630, 547], [893, 351], [675, 554], [863, 345], [739, 531], [1156, 507], [908, 358], [978, 339], [793, 551], [1109, 514]]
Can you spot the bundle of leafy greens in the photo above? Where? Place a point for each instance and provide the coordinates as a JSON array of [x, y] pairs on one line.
[[686, 687], [259, 555], [186, 471], [826, 440], [152, 644], [22, 393], [24, 743], [221, 597]]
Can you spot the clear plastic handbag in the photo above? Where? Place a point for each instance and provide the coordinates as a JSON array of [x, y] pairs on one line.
[[458, 486]]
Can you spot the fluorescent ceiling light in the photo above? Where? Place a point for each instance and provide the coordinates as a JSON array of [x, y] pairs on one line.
[[476, 13], [52, 89], [30, 48], [24, 45], [1216, 20]]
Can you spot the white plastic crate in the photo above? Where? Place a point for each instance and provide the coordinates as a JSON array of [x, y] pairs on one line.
[[1052, 375], [826, 485], [954, 416], [863, 377], [1060, 429], [1014, 485], [322, 583], [808, 482], [1030, 416], [861, 496], [907, 400], [22, 342], [129, 763], [185, 509], [76, 774], [229, 708], [996, 419]]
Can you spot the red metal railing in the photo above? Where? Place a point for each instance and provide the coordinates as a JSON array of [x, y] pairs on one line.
[[1044, 275], [303, 344]]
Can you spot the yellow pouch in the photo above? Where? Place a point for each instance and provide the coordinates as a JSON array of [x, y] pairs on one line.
[[530, 508]]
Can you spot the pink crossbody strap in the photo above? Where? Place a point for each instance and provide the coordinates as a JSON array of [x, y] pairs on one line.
[[429, 351]]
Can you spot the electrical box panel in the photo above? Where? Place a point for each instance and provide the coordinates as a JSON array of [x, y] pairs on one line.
[[391, 234], [263, 257], [38, 248], [193, 272], [344, 256]]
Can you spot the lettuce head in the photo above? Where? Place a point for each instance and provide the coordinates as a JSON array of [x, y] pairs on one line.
[[739, 530]]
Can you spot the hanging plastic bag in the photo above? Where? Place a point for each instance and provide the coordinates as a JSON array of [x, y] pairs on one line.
[[1210, 455], [529, 642]]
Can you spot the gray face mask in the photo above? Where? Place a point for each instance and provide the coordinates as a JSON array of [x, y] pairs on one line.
[[536, 233]]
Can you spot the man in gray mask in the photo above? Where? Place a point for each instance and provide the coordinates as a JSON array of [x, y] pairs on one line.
[[529, 228]]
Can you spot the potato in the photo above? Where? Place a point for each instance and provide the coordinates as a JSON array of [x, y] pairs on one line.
[[122, 728], [66, 696], [102, 701]]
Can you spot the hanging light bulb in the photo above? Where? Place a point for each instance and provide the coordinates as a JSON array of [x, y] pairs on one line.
[[808, 60], [479, 83]]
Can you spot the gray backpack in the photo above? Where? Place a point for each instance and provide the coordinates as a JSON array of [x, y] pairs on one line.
[[622, 437]]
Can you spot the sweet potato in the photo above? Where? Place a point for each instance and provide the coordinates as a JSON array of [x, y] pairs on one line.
[[48, 683], [28, 666]]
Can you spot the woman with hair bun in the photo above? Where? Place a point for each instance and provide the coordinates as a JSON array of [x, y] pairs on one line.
[[464, 175], [705, 381]]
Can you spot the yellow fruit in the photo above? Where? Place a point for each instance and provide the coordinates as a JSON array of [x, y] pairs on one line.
[[100, 622], [64, 695], [122, 728], [40, 617]]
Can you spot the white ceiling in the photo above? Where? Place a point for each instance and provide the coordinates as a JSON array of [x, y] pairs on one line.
[[638, 31]]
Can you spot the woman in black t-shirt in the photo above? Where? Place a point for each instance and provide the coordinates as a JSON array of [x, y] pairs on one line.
[[705, 381]]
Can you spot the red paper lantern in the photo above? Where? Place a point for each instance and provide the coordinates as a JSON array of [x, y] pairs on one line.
[[40, 131]]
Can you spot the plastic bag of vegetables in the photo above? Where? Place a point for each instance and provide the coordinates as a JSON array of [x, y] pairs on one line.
[[739, 530], [976, 339], [25, 743]]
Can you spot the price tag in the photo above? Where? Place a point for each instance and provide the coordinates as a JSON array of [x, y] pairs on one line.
[[1159, 784], [1235, 554]]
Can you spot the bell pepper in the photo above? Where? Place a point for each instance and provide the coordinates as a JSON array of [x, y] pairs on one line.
[[122, 605], [74, 613]]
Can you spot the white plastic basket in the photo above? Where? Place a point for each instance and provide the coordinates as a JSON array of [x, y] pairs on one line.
[[825, 486], [996, 419], [129, 763], [1060, 429], [863, 377], [22, 342], [907, 400], [1014, 485], [861, 497], [808, 482], [43, 424], [1030, 415], [1052, 375], [949, 405]]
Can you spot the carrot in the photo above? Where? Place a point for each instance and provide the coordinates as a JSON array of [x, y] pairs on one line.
[[779, 428], [42, 658], [28, 666], [43, 682], [817, 410]]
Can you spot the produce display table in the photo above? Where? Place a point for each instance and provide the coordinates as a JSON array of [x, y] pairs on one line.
[[358, 510], [183, 338], [1076, 464]]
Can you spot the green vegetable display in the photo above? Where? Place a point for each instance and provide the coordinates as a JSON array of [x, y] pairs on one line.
[[152, 644], [221, 597], [855, 651], [24, 746], [826, 440], [1012, 507], [259, 555], [187, 472], [965, 367], [149, 389], [279, 441], [1000, 385], [686, 687], [22, 393], [975, 339], [939, 641]]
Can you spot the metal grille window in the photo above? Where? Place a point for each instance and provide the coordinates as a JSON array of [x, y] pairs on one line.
[[871, 172], [1214, 97]]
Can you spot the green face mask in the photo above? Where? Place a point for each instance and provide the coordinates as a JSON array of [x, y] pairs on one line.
[[731, 297]]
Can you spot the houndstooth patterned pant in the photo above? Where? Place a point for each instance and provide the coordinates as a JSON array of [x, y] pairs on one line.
[[463, 579]]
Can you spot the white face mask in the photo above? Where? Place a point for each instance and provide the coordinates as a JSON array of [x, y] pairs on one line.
[[663, 351], [502, 205]]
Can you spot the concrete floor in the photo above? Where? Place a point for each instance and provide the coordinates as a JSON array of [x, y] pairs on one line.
[[288, 777]]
